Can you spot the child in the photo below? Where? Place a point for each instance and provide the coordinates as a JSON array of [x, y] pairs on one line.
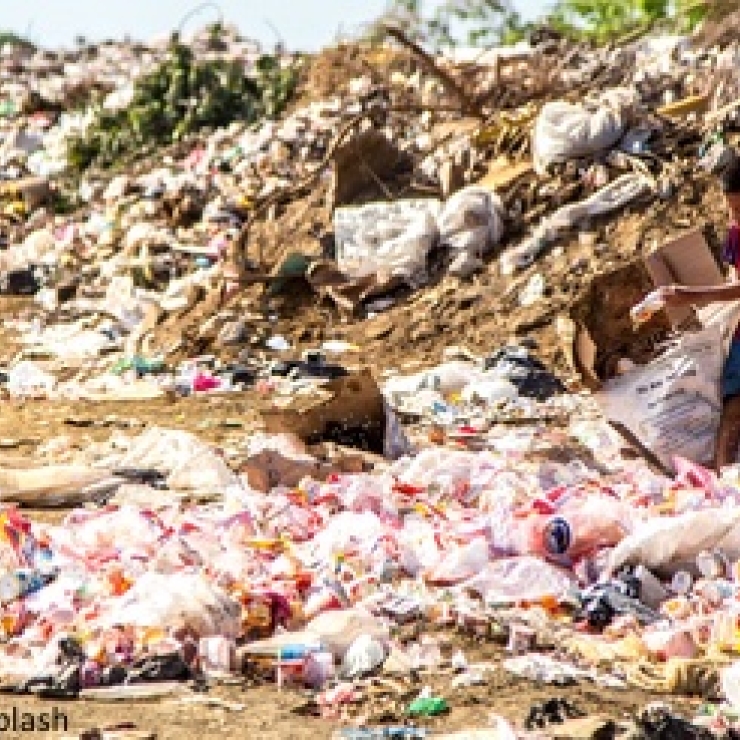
[[728, 435]]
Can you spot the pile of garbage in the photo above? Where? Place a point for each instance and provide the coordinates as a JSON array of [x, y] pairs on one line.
[[208, 221]]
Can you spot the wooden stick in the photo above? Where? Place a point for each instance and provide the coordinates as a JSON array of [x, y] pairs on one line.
[[433, 68]]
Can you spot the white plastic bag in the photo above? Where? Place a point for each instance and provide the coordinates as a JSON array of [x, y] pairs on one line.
[[666, 543], [565, 131], [204, 472], [176, 600], [28, 379], [492, 390], [460, 563], [364, 655], [471, 221], [731, 684], [189, 463], [673, 404], [337, 630], [525, 578], [392, 239], [615, 194]]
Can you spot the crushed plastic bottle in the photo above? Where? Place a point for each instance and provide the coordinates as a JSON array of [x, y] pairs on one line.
[[646, 309]]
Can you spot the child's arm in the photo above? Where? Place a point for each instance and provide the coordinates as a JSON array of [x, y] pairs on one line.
[[685, 295]]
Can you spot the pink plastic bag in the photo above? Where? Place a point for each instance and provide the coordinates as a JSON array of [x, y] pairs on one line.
[[203, 382]]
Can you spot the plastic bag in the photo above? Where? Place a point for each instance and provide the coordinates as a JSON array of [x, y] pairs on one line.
[[28, 379], [176, 600], [491, 391], [335, 631], [731, 684], [578, 528], [525, 578], [205, 472], [615, 194], [565, 131], [392, 239], [364, 655], [471, 221], [189, 463], [667, 543], [449, 377], [460, 563]]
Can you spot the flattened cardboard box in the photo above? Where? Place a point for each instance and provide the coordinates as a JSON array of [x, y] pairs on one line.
[[685, 260]]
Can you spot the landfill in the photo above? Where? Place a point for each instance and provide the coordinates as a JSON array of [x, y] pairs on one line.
[[329, 390]]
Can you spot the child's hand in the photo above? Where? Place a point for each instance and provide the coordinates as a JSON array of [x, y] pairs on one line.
[[673, 296]]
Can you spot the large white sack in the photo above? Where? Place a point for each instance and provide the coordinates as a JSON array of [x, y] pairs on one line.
[[565, 131], [673, 404], [391, 239]]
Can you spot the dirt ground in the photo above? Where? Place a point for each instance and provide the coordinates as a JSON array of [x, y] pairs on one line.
[[275, 715]]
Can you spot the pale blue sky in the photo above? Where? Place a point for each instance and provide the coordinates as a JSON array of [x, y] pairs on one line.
[[303, 24]]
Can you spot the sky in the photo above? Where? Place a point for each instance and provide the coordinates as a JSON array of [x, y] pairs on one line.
[[305, 25]]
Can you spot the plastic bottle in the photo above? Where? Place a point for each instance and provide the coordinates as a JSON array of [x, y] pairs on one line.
[[647, 308], [572, 535], [428, 706], [681, 583], [186, 377], [712, 565], [22, 582]]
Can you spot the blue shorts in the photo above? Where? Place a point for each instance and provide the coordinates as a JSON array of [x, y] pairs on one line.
[[731, 372]]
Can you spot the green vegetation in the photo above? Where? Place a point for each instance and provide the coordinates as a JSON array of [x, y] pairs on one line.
[[13, 39], [454, 22], [484, 23], [603, 21], [181, 96]]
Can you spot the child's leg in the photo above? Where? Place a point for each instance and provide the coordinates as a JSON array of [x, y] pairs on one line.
[[728, 435]]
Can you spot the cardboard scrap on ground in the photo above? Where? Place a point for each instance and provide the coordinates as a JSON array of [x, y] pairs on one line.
[[55, 485], [350, 402]]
